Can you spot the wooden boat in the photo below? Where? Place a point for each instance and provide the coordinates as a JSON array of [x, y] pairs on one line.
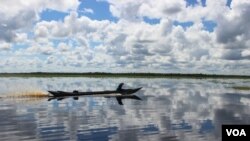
[[119, 90], [119, 94]]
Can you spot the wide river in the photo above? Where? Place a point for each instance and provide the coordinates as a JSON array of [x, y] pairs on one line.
[[169, 109]]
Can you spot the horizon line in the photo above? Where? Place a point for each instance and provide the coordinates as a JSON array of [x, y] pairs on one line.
[[122, 74]]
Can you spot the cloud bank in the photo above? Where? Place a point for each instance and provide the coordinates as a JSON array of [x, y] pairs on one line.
[[147, 36]]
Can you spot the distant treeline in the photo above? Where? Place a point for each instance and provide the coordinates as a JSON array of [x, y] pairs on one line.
[[130, 75]]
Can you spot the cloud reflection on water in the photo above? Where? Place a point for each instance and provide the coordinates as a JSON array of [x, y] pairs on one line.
[[171, 109]]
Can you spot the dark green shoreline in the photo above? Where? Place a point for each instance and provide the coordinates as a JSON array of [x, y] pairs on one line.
[[127, 75]]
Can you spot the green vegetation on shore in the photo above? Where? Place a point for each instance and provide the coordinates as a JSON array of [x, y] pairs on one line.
[[245, 88], [128, 75]]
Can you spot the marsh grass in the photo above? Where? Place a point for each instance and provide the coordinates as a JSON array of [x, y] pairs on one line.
[[245, 88]]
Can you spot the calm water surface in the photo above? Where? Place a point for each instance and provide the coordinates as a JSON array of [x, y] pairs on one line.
[[170, 109]]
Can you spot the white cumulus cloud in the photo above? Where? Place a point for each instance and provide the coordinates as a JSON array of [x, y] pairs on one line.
[[77, 42]]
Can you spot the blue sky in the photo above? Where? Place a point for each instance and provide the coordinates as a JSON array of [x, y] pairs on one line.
[[101, 12], [186, 36]]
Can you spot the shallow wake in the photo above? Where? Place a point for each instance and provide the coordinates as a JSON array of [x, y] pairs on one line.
[[27, 94], [25, 97]]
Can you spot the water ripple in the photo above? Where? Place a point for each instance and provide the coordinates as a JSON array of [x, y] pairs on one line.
[[169, 110]]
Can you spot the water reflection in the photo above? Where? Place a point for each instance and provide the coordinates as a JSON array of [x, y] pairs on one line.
[[170, 110], [118, 98]]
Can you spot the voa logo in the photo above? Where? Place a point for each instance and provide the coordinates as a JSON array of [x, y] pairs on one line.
[[236, 132]]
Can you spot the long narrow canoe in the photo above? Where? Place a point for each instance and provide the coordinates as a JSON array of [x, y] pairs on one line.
[[119, 94], [118, 91]]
